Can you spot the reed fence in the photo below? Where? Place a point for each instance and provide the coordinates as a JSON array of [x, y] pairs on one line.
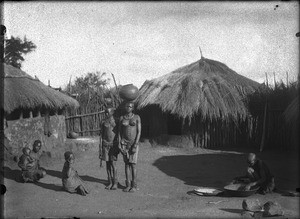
[[248, 133]]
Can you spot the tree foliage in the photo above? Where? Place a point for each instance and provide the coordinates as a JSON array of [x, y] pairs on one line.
[[92, 92], [15, 49]]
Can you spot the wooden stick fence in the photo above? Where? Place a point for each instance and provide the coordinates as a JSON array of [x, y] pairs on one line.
[[208, 134], [85, 124], [221, 134]]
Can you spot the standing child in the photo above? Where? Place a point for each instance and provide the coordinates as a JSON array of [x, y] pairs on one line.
[[70, 179], [108, 148]]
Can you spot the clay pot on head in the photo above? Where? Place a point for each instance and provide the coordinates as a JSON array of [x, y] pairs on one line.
[[129, 92]]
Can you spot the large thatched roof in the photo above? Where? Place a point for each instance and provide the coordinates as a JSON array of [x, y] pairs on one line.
[[23, 91], [205, 87], [291, 113]]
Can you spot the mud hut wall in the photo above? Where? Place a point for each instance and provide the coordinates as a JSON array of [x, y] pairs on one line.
[[23, 132]]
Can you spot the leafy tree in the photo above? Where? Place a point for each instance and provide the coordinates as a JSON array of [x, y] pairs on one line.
[[15, 49], [90, 91]]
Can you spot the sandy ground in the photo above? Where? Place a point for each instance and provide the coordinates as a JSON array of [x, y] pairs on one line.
[[165, 176]]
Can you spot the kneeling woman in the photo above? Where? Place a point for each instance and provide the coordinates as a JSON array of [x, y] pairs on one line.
[[70, 178]]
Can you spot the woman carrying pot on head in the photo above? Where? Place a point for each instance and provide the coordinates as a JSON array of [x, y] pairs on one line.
[[129, 135], [108, 148]]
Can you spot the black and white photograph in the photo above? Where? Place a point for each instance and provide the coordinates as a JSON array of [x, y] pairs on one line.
[[163, 109]]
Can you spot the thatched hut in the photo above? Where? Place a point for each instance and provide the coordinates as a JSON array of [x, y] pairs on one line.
[[33, 111], [204, 100]]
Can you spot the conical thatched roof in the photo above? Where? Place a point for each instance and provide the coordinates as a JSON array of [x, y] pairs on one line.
[[206, 86], [291, 113], [23, 91]]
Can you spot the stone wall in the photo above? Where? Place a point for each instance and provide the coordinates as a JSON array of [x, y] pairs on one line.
[[23, 132]]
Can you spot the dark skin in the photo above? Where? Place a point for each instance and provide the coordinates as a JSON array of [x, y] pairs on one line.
[[130, 168], [251, 162], [28, 162], [70, 160], [108, 135], [36, 148]]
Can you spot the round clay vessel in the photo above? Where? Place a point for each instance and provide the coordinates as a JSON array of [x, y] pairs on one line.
[[129, 92]]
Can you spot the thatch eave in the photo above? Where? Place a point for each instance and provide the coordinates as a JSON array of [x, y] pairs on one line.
[[21, 91]]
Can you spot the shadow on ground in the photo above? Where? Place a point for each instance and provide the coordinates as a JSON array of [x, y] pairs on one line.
[[15, 175], [53, 187], [232, 210], [11, 174], [58, 174], [207, 170], [218, 169]]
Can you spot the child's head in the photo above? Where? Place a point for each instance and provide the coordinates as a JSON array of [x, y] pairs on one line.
[[26, 151], [37, 146], [69, 157], [129, 106], [109, 112]]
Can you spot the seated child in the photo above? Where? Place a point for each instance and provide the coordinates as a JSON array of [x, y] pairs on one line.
[[70, 178], [27, 165]]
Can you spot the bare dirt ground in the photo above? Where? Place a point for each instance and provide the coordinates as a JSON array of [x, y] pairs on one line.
[[165, 176]]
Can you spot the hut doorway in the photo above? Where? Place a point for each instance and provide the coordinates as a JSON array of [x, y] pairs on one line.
[[174, 125]]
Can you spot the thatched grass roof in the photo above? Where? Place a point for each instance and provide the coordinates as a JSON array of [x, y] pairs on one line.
[[25, 92], [205, 87], [291, 113]]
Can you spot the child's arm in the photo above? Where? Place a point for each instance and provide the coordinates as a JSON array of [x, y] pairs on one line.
[[22, 162], [69, 171], [119, 134], [25, 163], [137, 139]]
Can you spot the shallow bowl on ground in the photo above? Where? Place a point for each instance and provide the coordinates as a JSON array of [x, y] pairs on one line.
[[206, 191], [237, 190]]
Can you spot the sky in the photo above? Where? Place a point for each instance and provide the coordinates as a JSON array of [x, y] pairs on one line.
[[138, 41]]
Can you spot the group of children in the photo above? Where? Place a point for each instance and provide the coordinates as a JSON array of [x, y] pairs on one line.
[[32, 172], [122, 137]]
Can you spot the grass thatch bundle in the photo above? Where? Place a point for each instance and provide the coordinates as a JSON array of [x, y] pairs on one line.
[[205, 87], [23, 91]]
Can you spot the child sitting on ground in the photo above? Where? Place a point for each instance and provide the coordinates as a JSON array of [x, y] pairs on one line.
[[27, 164], [70, 178]]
